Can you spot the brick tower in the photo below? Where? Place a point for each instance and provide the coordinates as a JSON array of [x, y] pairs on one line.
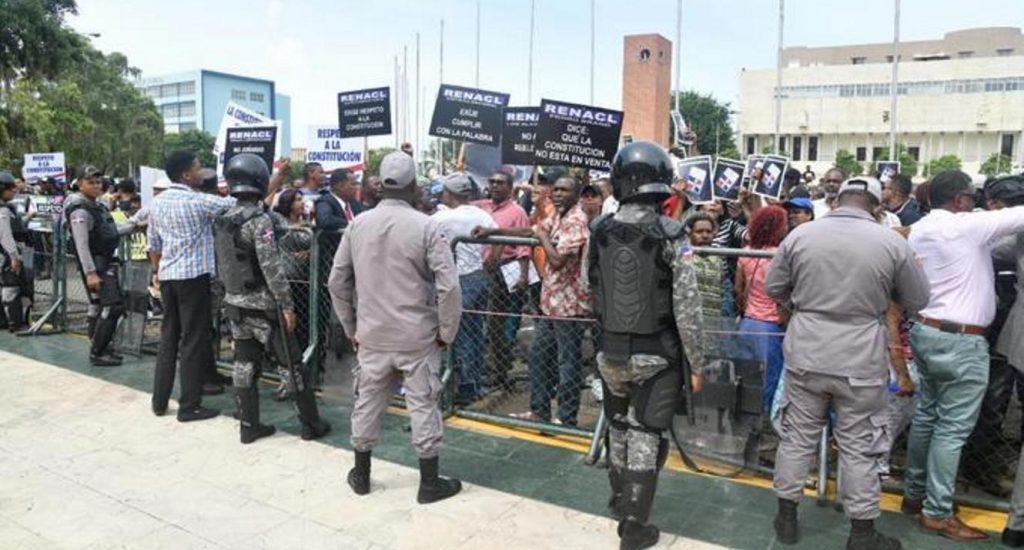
[[646, 84]]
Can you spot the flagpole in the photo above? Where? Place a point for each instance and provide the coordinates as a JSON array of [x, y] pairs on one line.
[[529, 71], [778, 77], [440, 80], [593, 6], [893, 92], [416, 121], [477, 43]]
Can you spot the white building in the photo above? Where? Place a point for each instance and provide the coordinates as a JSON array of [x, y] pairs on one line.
[[962, 95]]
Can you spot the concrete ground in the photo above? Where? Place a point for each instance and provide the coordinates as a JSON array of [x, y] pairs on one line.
[[85, 464]]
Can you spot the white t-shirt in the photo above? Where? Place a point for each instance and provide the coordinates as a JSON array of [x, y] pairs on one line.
[[460, 222], [820, 208]]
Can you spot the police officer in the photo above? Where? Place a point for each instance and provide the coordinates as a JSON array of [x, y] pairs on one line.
[[645, 294], [835, 348], [96, 238], [258, 300], [396, 291], [14, 236]]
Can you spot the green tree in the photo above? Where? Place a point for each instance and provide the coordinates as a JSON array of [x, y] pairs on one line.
[[34, 42], [708, 118], [374, 158], [997, 164], [846, 162], [908, 165], [943, 163], [196, 141]]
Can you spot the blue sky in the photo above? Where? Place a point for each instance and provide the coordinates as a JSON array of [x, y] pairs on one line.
[[316, 48]]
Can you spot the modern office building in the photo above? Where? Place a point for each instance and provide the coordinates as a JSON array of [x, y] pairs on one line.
[[961, 95], [196, 100]]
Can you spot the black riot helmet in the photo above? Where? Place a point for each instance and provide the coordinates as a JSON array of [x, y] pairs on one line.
[[247, 174], [6, 180], [1009, 189], [642, 171]]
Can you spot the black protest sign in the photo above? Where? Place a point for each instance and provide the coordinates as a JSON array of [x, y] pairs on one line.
[[258, 140], [754, 163], [517, 135], [770, 183], [365, 112], [887, 169], [467, 114], [727, 180], [696, 172], [576, 135]]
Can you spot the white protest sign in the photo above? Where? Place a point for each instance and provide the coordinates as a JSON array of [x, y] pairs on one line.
[[147, 177], [326, 146], [44, 165], [235, 116]]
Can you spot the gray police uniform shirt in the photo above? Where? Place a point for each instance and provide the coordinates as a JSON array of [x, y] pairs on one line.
[[81, 225], [394, 284], [838, 276], [7, 241]]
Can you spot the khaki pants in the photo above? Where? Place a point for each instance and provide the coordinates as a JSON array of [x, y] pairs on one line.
[[378, 375]]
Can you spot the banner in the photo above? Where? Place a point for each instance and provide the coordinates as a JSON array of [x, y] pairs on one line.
[[258, 140], [696, 173], [365, 112], [769, 184], [728, 179], [887, 169], [44, 165], [517, 135], [467, 114], [326, 146], [236, 116], [576, 135]]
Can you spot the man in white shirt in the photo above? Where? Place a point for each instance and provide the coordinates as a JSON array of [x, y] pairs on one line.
[[954, 247], [458, 221]]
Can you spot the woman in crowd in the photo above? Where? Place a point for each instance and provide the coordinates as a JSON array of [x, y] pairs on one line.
[[296, 242], [762, 326]]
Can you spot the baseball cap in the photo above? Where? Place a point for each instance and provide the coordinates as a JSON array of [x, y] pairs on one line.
[[864, 184], [90, 171], [801, 203], [459, 184], [397, 170], [590, 190]]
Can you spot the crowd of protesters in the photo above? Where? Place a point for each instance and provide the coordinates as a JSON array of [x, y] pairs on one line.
[[954, 361]]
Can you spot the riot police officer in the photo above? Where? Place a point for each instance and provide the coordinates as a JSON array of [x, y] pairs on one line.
[[645, 295], [14, 236], [258, 300], [96, 238]]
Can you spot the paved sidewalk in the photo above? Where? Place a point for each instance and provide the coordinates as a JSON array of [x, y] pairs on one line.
[[86, 465]]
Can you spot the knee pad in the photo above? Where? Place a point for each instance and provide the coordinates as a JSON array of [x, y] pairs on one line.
[[614, 406], [112, 312], [654, 402], [9, 294], [248, 350]]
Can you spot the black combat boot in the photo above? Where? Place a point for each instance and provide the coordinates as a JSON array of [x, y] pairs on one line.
[[313, 427], [90, 323], [1013, 538], [615, 442], [432, 486], [249, 408], [359, 476], [615, 480], [786, 527], [637, 498], [15, 316], [864, 537], [102, 335]]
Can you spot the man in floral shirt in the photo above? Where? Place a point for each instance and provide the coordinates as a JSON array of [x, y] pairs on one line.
[[555, 355]]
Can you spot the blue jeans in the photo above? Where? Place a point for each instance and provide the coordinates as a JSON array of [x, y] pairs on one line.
[[469, 343], [556, 369], [765, 344], [954, 372]]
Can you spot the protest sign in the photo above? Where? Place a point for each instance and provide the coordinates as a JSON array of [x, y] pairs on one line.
[[481, 162], [577, 135], [364, 112], [696, 173], [887, 169], [770, 183], [754, 163], [258, 140], [44, 165], [517, 135], [236, 116], [148, 176], [326, 146], [467, 114], [727, 180]]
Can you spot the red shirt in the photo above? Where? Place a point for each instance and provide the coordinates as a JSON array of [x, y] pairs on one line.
[[507, 215]]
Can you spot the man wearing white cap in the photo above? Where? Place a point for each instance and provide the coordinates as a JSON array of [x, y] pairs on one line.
[[396, 291], [835, 351]]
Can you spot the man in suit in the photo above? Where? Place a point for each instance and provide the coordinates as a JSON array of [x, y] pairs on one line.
[[336, 208]]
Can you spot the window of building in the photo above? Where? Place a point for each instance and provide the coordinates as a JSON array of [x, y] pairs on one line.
[[1004, 52], [965, 55], [812, 148], [188, 108], [888, 58], [914, 152], [782, 144], [169, 90], [256, 97], [187, 126], [1006, 145], [858, 60], [238, 95], [798, 146], [862, 154], [751, 145], [170, 110], [876, 153], [187, 88], [645, 54]]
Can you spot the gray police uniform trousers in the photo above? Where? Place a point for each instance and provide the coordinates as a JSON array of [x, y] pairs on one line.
[[859, 430], [378, 375]]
